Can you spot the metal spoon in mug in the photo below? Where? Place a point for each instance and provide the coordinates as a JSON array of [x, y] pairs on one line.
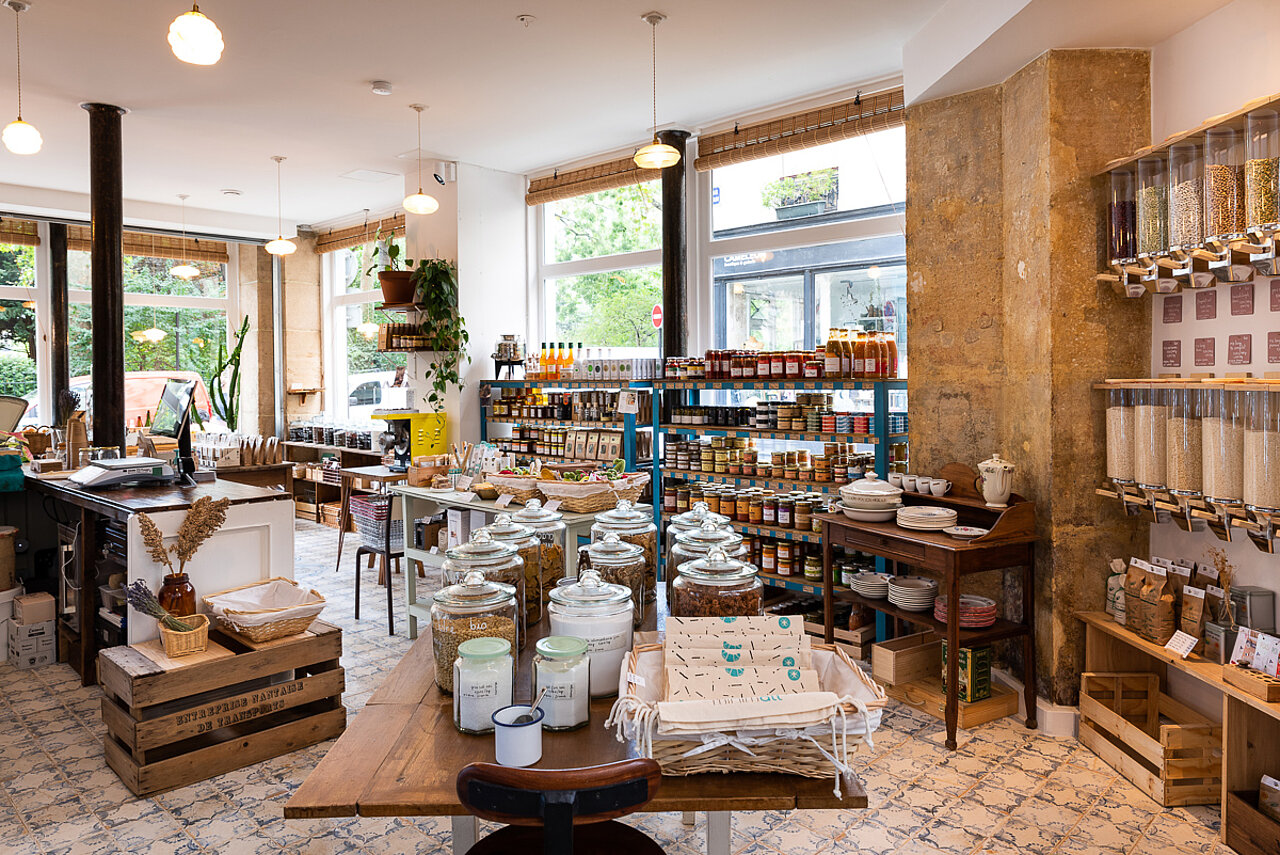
[[526, 718]]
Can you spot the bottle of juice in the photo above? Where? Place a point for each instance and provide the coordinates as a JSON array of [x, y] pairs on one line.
[[570, 365], [846, 355], [859, 356], [831, 357], [893, 355]]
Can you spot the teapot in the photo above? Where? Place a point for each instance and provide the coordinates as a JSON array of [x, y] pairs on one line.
[[996, 480]]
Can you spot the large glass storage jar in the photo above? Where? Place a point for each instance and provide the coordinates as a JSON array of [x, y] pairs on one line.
[[691, 520], [717, 586], [1262, 451], [483, 674], [1186, 195], [1120, 435], [1261, 165], [689, 545], [1153, 206], [1223, 185], [505, 530], [1223, 425], [621, 563], [562, 668], [1150, 412], [550, 528], [475, 607], [1184, 444], [600, 614], [499, 562], [1122, 216], [633, 526]]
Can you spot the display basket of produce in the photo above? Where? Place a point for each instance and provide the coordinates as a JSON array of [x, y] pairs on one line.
[[370, 514], [595, 492], [521, 488], [267, 610], [814, 737]]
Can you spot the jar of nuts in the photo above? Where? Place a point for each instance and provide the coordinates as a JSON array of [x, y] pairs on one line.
[[688, 545], [717, 586], [506, 530], [633, 526], [621, 563], [475, 607], [549, 527], [497, 562]]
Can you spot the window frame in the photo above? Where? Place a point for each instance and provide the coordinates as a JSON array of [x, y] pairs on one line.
[[336, 300]]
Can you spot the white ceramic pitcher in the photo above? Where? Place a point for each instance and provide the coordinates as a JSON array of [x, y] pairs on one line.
[[997, 481]]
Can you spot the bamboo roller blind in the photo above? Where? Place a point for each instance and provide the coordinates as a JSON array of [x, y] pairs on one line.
[[589, 179], [834, 122], [332, 241], [158, 246], [20, 232]]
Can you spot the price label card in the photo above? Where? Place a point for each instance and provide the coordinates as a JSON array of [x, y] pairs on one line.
[[435, 550], [1239, 349], [464, 483], [1171, 353], [1204, 351], [635, 678], [504, 500], [552, 505], [1173, 309], [1206, 305], [466, 497], [628, 402], [1242, 299], [1182, 644]]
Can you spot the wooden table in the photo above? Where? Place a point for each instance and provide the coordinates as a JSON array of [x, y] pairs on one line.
[[401, 757]]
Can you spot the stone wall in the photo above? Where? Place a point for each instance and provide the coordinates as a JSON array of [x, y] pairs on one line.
[[1005, 222], [257, 379], [303, 336]]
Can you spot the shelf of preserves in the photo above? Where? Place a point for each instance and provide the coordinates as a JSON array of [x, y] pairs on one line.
[[766, 433], [799, 584], [774, 532], [811, 385], [570, 384], [559, 423], [767, 483], [334, 448]]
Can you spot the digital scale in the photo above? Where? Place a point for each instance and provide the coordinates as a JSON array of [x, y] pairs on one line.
[[130, 470]]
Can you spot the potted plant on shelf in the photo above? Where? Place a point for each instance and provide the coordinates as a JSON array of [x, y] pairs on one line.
[[802, 195], [435, 283], [396, 275]]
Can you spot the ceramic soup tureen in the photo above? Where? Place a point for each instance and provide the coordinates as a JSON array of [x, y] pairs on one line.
[[997, 481]]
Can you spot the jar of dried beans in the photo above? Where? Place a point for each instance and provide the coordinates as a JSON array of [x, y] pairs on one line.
[[1122, 216], [1186, 195], [473, 608], [1262, 159], [717, 586]]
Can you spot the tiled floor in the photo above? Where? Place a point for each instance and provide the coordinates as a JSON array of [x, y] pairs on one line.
[[1007, 790]]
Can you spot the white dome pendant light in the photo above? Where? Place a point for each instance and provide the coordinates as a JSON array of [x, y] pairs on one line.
[[19, 136], [186, 270], [195, 39], [279, 246], [420, 203], [656, 155]]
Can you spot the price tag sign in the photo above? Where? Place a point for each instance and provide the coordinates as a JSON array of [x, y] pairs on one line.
[[1273, 347], [1171, 353], [1181, 644], [435, 550], [552, 505], [1173, 309], [1206, 305], [1242, 299], [1239, 349], [1205, 351], [504, 500], [464, 483], [628, 402], [466, 497], [635, 678]]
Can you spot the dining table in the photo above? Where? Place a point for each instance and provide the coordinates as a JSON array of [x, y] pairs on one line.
[[401, 755]]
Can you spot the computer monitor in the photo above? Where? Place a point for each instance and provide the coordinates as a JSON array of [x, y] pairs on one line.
[[173, 419]]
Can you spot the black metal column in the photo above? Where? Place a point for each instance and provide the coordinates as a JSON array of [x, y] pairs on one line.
[[106, 200], [59, 339], [675, 303]]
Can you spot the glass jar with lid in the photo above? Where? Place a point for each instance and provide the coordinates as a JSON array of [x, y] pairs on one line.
[[561, 666], [483, 674], [1186, 195], [717, 586], [1120, 435], [1261, 165], [689, 545], [1184, 471], [506, 530], [1223, 185], [550, 528], [475, 607], [1223, 443], [498, 562], [634, 526], [1122, 216], [1150, 413], [621, 563], [691, 520], [1262, 452], [600, 614], [1153, 206]]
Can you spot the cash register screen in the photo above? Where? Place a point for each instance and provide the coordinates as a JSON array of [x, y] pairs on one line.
[[173, 413]]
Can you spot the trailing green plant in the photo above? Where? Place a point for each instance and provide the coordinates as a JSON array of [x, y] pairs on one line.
[[816, 186], [226, 402], [435, 282]]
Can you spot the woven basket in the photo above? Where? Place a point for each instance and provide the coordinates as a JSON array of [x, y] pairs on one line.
[[185, 643], [521, 488], [587, 497], [249, 623]]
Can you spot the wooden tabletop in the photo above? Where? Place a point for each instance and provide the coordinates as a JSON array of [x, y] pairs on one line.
[[121, 502], [382, 474], [401, 755]]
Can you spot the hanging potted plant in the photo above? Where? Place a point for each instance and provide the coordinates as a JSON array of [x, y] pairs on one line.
[[435, 283], [396, 274]]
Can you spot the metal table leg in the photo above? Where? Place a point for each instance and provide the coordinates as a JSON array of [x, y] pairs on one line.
[[466, 830], [718, 824]]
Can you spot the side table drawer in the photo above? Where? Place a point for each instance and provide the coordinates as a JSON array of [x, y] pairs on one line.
[[881, 545]]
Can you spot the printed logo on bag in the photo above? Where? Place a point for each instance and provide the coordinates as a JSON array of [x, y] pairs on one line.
[[728, 619], [728, 646], [793, 674], [784, 622], [730, 657], [788, 661], [736, 672]]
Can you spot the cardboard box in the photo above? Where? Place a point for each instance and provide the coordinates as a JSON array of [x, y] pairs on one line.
[[974, 673], [461, 524], [31, 645], [6, 602], [4, 640], [34, 608]]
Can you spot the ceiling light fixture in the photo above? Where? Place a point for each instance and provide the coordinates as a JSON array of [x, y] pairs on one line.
[[873, 272], [19, 136], [195, 39], [656, 155], [368, 329], [420, 203], [279, 246], [185, 270]]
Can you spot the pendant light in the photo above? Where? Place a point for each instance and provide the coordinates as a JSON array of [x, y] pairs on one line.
[[368, 329], [656, 155], [279, 246], [195, 39], [420, 203], [19, 136], [186, 270]]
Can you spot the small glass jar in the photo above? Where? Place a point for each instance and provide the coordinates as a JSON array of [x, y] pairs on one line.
[[1150, 431], [634, 526], [1262, 163], [600, 614], [1223, 441], [786, 512], [1120, 435], [717, 586], [1122, 217], [550, 529], [1184, 472], [1262, 452], [499, 562], [483, 673], [813, 568], [1186, 195], [473, 608], [1223, 185], [621, 563], [561, 666], [1153, 206], [505, 530]]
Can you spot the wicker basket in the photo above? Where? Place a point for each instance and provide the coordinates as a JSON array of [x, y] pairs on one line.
[[521, 488], [185, 643], [267, 624], [589, 497]]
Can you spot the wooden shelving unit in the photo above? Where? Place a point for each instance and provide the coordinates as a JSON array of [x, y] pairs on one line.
[[307, 492]]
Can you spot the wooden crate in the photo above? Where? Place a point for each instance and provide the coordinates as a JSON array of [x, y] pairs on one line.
[[1177, 762], [909, 659], [927, 695], [1249, 831], [172, 722], [304, 510]]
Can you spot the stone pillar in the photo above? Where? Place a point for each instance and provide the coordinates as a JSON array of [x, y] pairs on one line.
[[303, 337], [1009, 330], [258, 368]]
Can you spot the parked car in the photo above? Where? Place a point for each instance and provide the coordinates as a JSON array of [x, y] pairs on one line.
[[368, 393], [142, 390]]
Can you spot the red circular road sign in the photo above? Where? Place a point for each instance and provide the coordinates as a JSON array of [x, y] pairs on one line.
[[657, 317]]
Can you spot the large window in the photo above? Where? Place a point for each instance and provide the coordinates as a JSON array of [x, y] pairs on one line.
[[18, 333]]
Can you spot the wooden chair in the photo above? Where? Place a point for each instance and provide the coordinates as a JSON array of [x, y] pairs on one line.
[[556, 810]]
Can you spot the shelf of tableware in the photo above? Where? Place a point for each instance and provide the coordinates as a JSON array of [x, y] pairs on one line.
[[1008, 544]]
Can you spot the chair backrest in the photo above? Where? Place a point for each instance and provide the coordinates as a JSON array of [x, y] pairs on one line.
[[551, 796]]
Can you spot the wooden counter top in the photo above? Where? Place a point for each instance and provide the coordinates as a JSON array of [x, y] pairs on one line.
[[121, 502]]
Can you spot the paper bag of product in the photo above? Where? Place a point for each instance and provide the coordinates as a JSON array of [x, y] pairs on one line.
[[1135, 608], [1193, 615], [1115, 591], [1205, 575], [1158, 601], [1179, 578], [788, 657], [694, 718], [1215, 605], [680, 628], [695, 683], [1269, 797]]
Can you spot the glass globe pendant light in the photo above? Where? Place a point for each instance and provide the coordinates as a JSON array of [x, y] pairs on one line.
[[420, 203], [195, 39], [279, 246], [656, 155], [186, 270], [20, 137]]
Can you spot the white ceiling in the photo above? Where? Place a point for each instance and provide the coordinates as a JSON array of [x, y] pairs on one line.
[[294, 80]]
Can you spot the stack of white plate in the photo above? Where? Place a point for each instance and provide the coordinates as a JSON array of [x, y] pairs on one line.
[[926, 517], [869, 514], [873, 586], [913, 593]]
